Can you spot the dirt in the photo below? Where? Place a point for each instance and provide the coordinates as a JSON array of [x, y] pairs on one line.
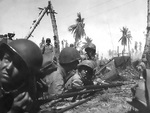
[[112, 101]]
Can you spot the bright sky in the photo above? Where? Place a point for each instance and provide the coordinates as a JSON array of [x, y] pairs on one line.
[[103, 20]]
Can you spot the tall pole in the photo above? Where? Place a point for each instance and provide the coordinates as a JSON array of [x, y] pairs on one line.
[[53, 20], [147, 43], [35, 24], [47, 10]]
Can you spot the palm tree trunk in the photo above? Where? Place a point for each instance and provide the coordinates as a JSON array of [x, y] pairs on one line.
[[124, 50], [129, 49], [147, 43]]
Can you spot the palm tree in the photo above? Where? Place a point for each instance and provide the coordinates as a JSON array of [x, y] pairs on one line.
[[126, 38], [78, 28]]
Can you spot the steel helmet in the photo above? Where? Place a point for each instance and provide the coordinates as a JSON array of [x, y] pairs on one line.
[[91, 46], [68, 55], [88, 63], [26, 51], [48, 40]]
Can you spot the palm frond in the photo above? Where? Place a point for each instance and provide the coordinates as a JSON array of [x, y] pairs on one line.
[[72, 28]]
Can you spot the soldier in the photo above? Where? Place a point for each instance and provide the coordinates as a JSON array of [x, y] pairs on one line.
[[83, 77], [20, 60], [68, 61], [48, 48], [141, 67], [90, 51]]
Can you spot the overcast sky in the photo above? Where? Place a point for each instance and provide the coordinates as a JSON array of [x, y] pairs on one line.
[[103, 20]]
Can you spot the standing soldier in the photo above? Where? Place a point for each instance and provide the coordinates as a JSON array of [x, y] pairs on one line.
[[68, 61], [90, 51], [141, 67], [90, 54], [48, 48], [20, 60]]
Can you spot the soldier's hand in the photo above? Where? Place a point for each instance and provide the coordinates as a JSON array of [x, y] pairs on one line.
[[22, 101]]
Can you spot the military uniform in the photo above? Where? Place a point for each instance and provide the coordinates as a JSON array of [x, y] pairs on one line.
[[48, 48], [74, 83], [55, 81], [81, 79]]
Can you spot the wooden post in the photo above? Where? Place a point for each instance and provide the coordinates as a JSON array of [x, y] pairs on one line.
[[56, 38], [35, 24], [147, 43]]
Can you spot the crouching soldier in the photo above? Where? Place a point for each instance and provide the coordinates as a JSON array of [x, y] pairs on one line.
[[83, 76], [90, 51], [20, 60], [68, 60]]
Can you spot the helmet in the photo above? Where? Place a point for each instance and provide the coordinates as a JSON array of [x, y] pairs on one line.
[[26, 51], [91, 46], [48, 40], [89, 63], [68, 55]]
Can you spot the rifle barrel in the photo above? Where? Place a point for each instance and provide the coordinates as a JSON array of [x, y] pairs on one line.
[[74, 105], [65, 95], [91, 88]]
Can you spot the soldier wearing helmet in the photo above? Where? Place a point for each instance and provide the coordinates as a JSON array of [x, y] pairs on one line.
[[48, 48], [90, 51], [68, 60], [84, 76], [20, 61]]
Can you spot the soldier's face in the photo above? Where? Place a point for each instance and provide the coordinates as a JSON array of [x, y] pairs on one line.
[[91, 53], [11, 76], [85, 72]]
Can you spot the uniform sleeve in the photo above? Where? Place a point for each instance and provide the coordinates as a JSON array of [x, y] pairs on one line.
[[58, 85], [55, 83], [77, 83]]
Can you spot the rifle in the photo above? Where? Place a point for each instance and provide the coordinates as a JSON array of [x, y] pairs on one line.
[[62, 110], [89, 89], [103, 67], [74, 105]]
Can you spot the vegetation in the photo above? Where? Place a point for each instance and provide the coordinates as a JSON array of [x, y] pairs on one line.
[[88, 40], [78, 29], [126, 38]]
